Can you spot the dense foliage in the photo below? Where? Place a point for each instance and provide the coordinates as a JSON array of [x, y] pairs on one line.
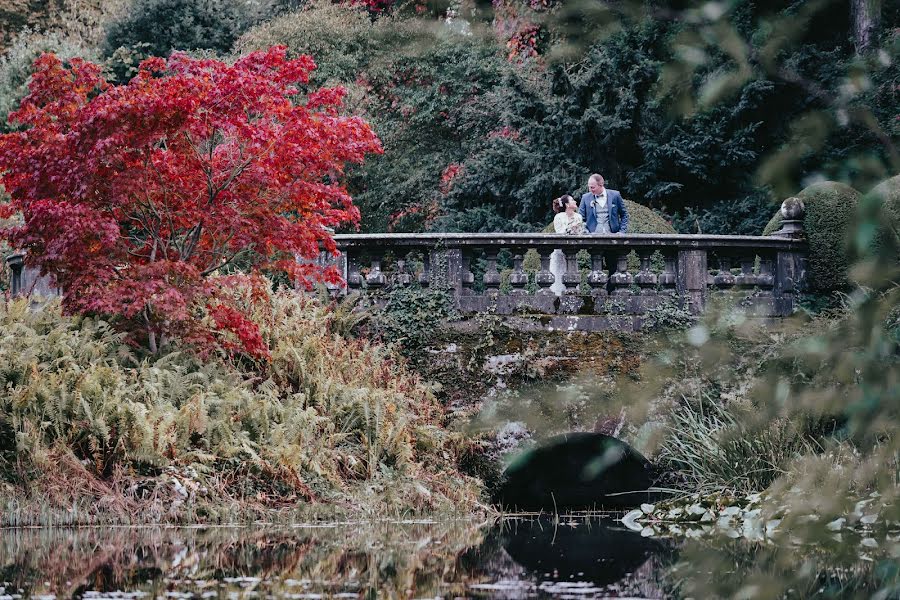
[[157, 27], [87, 422], [477, 142], [133, 195]]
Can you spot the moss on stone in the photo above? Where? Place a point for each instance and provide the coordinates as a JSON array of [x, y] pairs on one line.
[[830, 211]]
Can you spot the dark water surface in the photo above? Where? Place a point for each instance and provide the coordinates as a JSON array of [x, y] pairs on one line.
[[535, 558]]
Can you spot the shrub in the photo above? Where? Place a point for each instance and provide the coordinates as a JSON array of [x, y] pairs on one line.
[[830, 210], [884, 198], [645, 220], [333, 419]]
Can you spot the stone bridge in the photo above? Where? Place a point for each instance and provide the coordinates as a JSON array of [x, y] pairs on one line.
[[582, 282], [561, 282]]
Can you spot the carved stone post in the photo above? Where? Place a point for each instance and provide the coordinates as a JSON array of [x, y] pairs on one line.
[[354, 279], [424, 278], [597, 278], [544, 277], [724, 279], [376, 279], [667, 278], [691, 279], [466, 277], [790, 266], [646, 279], [518, 279], [491, 275], [572, 277], [621, 279]]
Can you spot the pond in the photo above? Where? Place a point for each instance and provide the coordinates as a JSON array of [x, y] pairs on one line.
[[546, 557], [566, 557]]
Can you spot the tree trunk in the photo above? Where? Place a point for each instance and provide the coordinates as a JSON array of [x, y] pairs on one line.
[[865, 16]]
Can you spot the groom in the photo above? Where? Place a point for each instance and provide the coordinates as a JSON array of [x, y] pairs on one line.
[[603, 210]]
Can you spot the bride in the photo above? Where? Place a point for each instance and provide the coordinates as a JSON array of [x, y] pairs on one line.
[[567, 219]]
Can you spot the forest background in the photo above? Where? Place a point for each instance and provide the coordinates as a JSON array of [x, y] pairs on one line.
[[487, 111]]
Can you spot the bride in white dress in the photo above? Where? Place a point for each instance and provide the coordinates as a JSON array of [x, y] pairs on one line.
[[569, 221]]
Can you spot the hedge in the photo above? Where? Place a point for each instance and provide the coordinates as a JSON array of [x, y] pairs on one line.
[[885, 199], [830, 211]]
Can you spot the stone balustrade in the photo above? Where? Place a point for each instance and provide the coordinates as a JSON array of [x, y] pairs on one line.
[[599, 279]]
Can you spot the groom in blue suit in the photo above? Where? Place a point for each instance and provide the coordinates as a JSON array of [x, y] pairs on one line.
[[603, 210]]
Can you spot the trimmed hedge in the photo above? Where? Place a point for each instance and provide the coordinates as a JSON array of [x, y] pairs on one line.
[[885, 198], [640, 220], [830, 211]]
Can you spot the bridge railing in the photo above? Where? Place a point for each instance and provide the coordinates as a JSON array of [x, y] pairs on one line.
[[554, 274]]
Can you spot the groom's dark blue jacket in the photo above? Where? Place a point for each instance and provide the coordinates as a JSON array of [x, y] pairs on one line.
[[618, 214]]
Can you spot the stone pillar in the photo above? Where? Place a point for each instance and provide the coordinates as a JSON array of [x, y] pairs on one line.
[[691, 279], [790, 266], [446, 270]]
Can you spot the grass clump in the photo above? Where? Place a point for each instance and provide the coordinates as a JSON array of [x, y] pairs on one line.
[[92, 427]]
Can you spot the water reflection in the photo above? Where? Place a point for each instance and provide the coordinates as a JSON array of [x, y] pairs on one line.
[[511, 559]]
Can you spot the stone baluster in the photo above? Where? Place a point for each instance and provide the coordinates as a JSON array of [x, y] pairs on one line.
[[597, 278], [766, 278], [402, 278], [466, 276], [518, 279], [491, 275], [572, 277], [668, 278], [621, 279], [724, 279], [375, 279], [645, 278], [354, 279], [544, 278], [424, 277], [747, 279]]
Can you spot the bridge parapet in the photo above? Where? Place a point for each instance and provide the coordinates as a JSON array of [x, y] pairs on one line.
[[593, 277]]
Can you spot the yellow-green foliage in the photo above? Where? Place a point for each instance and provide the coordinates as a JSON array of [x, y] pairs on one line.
[[830, 211], [330, 420], [643, 220]]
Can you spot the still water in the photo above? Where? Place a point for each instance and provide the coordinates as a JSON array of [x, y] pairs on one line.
[[533, 558]]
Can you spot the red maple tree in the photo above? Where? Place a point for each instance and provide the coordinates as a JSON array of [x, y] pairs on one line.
[[134, 196]]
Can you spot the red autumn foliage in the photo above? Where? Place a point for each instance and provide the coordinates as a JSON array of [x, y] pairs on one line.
[[133, 196]]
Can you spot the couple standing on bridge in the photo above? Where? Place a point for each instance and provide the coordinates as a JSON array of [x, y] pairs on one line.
[[601, 211]]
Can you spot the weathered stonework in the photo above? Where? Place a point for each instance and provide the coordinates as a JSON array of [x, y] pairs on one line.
[[761, 274]]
